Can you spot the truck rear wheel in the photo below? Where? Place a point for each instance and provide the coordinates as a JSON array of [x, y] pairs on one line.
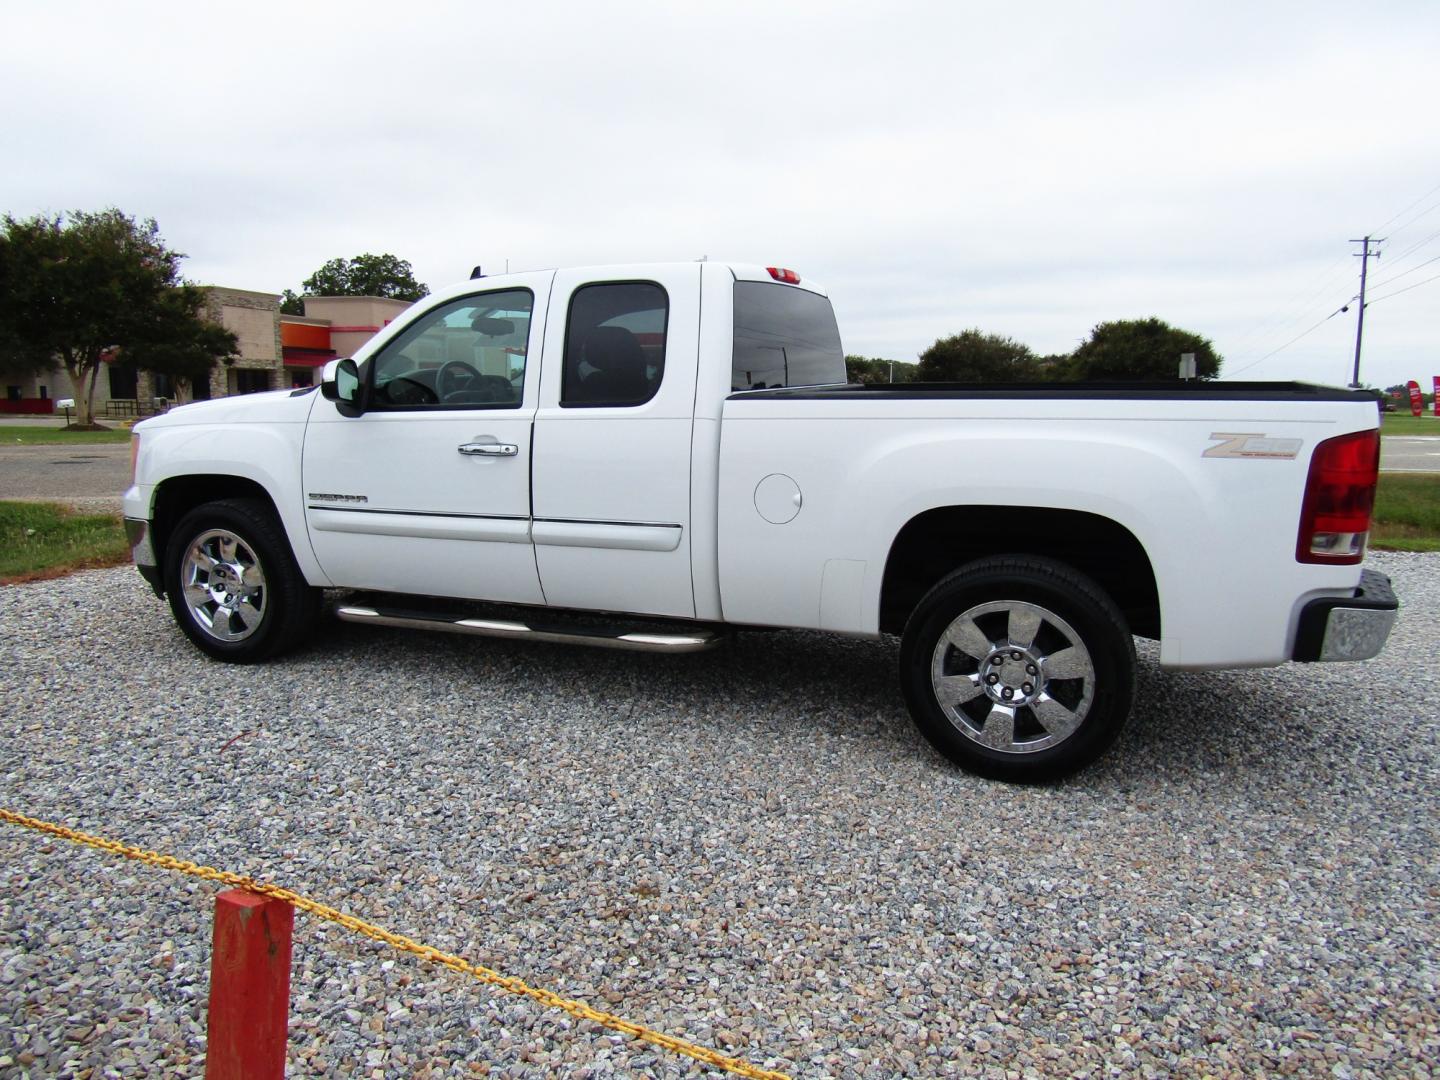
[[233, 584], [1018, 668]]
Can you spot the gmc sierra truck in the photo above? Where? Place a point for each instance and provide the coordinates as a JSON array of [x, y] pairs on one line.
[[654, 456]]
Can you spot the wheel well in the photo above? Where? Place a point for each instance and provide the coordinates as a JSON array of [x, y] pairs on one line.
[[179, 495], [938, 541]]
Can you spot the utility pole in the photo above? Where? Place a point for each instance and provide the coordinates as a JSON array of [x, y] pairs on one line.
[[1364, 255]]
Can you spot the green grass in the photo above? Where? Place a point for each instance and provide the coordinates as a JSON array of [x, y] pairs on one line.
[[11, 434], [1407, 513], [1405, 424], [39, 540]]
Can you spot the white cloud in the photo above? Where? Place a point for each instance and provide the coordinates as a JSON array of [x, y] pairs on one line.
[[1029, 169]]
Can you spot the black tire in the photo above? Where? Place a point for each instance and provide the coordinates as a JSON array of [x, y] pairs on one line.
[[269, 606], [1061, 708]]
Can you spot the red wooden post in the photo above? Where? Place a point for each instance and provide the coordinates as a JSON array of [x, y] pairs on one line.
[[249, 987]]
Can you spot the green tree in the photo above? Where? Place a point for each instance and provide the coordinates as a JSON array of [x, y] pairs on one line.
[[73, 288], [1134, 350], [976, 357], [364, 275], [872, 370], [184, 344], [1053, 367], [1399, 394]]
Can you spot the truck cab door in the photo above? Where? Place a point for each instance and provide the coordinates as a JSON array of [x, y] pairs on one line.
[[612, 440], [428, 490]]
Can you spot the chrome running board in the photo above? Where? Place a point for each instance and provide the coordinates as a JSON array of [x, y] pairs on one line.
[[647, 640]]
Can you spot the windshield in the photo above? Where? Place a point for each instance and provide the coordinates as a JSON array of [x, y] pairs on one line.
[[784, 337]]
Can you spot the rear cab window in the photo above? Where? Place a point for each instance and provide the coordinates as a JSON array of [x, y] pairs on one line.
[[784, 336], [614, 344]]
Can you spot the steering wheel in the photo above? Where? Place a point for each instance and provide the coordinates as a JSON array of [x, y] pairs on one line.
[[453, 377]]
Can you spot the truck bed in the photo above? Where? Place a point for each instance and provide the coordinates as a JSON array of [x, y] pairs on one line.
[[1185, 499], [1089, 391]]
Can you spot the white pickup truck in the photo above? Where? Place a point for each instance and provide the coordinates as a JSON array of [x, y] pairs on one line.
[[652, 456]]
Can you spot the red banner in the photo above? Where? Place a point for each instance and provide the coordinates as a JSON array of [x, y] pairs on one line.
[[1436, 401], [1417, 403]]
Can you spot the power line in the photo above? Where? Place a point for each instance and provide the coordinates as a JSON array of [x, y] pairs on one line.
[[1407, 288], [1366, 255], [1292, 341], [1286, 325], [1414, 218], [1405, 273], [1401, 229], [1407, 209], [1267, 326], [1417, 245], [1293, 312]]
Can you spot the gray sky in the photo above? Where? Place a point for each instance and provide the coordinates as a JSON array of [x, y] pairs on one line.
[[1029, 169]]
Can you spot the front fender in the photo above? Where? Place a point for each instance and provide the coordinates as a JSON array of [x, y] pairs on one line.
[[266, 454]]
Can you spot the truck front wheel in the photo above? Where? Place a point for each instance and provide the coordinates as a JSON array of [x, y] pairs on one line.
[[232, 582], [1018, 668]]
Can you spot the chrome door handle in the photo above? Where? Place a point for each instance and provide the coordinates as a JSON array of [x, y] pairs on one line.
[[490, 449]]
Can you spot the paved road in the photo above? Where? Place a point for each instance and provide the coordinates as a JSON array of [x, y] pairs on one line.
[[87, 477], [1410, 453]]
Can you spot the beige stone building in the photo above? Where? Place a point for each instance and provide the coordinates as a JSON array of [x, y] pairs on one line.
[[353, 320], [275, 352], [254, 319]]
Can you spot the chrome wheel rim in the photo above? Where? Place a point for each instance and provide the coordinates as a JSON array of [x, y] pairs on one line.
[[223, 585], [1012, 676]]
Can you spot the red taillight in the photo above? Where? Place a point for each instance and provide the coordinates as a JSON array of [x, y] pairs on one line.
[[789, 277], [1339, 495]]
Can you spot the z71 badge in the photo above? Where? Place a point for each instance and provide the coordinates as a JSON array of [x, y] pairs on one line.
[[1244, 445]]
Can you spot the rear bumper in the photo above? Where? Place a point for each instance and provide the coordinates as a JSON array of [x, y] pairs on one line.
[[137, 532], [1348, 627]]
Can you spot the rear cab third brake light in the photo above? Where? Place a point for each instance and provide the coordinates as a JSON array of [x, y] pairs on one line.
[[1339, 498]]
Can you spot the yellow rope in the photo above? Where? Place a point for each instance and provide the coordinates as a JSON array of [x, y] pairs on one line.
[[578, 1009]]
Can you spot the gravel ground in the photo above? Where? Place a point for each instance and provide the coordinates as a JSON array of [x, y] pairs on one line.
[[750, 848]]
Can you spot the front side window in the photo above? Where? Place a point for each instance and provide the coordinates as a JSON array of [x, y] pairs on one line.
[[784, 337], [467, 354], [615, 344]]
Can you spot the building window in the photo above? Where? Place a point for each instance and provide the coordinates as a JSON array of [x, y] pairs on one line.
[[251, 380], [123, 384]]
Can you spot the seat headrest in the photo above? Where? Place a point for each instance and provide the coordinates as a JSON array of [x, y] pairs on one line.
[[618, 363]]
